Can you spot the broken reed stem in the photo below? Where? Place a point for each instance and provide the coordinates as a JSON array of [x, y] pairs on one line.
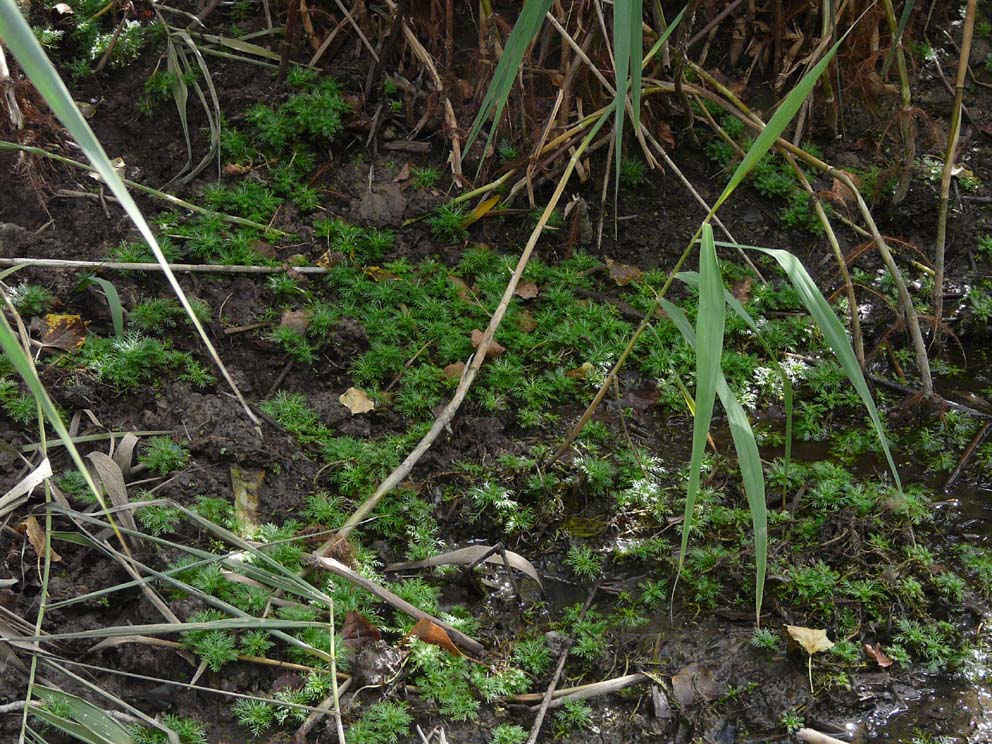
[[169, 198], [55, 263], [945, 179], [906, 113]]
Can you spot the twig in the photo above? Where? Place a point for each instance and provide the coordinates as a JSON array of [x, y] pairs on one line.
[[815, 737], [966, 457], [906, 390], [322, 710], [542, 711], [604, 687]]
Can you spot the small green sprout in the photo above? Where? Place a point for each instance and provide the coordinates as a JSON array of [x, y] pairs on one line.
[[163, 456], [425, 178]]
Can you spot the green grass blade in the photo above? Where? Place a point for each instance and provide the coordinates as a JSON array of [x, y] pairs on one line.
[[748, 458], [692, 279], [834, 334], [19, 38], [524, 31], [709, 350], [622, 15], [92, 720], [776, 125], [114, 303]]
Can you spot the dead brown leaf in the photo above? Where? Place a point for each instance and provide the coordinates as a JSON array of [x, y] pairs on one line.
[[494, 349], [357, 401], [623, 274], [66, 332], [665, 134], [454, 370], [36, 536], [813, 640], [429, 632], [297, 320], [694, 684], [358, 631], [404, 174], [878, 655], [527, 290]]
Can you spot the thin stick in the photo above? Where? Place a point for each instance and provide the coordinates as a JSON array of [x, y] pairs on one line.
[[542, 710], [535, 730], [945, 179], [966, 457], [906, 390]]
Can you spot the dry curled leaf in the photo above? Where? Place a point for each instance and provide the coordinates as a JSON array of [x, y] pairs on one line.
[[813, 640], [494, 349], [404, 174], [66, 332], [429, 632], [357, 401], [623, 274], [454, 370], [527, 290], [36, 536], [358, 631], [878, 655]]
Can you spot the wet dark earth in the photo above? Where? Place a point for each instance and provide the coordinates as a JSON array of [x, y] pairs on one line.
[[705, 679]]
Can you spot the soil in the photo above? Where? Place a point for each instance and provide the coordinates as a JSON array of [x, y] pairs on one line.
[[653, 222]]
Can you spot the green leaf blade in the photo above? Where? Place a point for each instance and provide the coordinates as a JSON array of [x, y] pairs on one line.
[[710, 323]]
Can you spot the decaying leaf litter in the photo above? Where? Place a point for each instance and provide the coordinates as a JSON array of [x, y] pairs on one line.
[[346, 367]]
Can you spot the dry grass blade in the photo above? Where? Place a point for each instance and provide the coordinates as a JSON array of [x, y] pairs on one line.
[[470, 556]]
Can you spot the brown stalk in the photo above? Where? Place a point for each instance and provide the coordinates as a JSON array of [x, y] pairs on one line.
[[945, 180]]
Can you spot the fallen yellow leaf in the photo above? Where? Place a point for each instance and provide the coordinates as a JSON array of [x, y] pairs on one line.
[[357, 401]]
